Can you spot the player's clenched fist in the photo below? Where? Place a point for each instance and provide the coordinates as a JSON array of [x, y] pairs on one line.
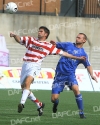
[[12, 34], [82, 58], [53, 42]]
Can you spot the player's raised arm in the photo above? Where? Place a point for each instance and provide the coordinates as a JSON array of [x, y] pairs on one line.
[[73, 57], [16, 37]]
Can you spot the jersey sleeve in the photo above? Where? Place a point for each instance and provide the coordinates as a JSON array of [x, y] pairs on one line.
[[86, 63], [25, 41], [62, 45], [55, 51]]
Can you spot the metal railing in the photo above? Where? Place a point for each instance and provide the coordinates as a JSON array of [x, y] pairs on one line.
[[88, 8]]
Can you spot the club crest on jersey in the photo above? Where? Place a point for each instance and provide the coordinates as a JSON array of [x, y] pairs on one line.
[[37, 47], [75, 52]]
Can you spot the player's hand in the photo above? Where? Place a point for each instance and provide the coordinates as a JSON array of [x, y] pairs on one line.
[[53, 42], [94, 78], [12, 34], [82, 58]]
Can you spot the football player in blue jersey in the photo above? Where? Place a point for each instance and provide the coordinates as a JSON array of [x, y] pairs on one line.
[[65, 71]]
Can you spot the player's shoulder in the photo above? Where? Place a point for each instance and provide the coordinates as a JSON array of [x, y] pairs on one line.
[[71, 43], [67, 43], [83, 50], [47, 43], [30, 38], [35, 39]]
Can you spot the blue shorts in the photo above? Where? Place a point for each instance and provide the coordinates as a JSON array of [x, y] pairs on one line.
[[61, 80]]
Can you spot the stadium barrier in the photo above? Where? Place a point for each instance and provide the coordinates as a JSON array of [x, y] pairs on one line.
[[4, 52], [10, 79]]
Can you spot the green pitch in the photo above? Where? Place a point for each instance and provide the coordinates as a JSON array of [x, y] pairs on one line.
[[66, 115]]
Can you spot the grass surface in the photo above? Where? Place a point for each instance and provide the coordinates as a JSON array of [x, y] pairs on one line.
[[66, 115]]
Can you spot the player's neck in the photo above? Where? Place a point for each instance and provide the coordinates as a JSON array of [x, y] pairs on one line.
[[42, 39], [78, 45]]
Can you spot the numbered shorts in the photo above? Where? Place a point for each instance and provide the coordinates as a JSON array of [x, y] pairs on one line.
[[61, 80], [29, 69]]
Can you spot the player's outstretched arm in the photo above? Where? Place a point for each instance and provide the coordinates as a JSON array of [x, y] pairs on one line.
[[16, 37], [73, 57], [90, 70]]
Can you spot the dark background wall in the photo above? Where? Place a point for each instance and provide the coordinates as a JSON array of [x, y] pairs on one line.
[[68, 8], [35, 6], [72, 8]]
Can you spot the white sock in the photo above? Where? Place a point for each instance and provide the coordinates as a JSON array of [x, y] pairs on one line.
[[35, 100], [31, 96], [24, 96]]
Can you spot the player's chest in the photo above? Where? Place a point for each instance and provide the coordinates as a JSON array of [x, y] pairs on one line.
[[36, 47], [74, 51]]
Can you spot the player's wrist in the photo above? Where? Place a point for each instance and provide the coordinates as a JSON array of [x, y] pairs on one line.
[[77, 57], [91, 75], [14, 35]]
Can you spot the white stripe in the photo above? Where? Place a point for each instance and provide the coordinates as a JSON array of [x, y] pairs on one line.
[[31, 58], [54, 51], [21, 42], [37, 53], [44, 50], [26, 41]]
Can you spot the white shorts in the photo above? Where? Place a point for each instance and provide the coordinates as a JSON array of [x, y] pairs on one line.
[[29, 69]]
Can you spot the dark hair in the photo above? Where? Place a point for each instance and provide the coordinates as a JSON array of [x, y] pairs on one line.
[[85, 37], [46, 30]]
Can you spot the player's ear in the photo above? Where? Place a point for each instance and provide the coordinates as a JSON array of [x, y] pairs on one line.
[[84, 40], [46, 34]]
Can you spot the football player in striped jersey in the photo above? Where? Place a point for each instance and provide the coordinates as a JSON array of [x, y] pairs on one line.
[[37, 50]]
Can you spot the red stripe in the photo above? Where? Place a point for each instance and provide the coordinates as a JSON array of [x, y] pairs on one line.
[[58, 51], [40, 52], [24, 40], [31, 60], [42, 46], [38, 44], [33, 56], [52, 48], [29, 41], [37, 101]]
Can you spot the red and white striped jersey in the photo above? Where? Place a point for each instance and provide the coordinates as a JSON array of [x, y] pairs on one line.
[[38, 50]]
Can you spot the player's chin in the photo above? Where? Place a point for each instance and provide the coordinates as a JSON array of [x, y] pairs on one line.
[[39, 36], [79, 42]]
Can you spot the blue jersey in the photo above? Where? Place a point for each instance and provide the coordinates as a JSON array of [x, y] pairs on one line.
[[68, 65]]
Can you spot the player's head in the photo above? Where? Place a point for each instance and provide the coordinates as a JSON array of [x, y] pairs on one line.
[[81, 38], [43, 32]]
